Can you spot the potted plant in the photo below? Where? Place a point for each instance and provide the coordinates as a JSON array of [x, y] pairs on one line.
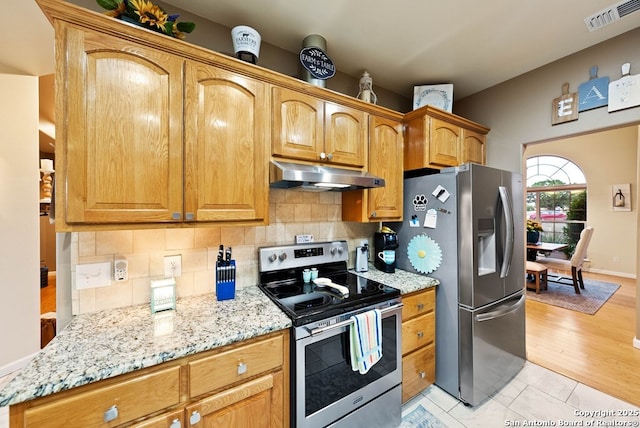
[[534, 228]]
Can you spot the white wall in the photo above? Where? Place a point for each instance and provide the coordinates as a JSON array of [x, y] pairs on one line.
[[19, 224]]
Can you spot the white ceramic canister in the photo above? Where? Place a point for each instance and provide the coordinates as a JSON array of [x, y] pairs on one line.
[[246, 43]]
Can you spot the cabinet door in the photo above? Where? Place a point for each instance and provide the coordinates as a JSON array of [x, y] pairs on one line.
[[345, 135], [226, 127], [473, 147], [122, 134], [385, 161], [444, 143], [255, 404], [298, 129]]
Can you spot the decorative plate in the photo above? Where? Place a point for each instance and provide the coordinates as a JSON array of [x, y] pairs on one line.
[[424, 253], [440, 96]]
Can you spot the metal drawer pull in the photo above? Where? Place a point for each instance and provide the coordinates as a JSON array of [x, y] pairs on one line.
[[111, 414], [423, 375], [420, 334], [420, 306], [347, 322], [242, 368], [175, 424]]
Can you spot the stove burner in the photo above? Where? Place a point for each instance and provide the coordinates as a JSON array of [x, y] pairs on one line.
[[286, 290], [312, 303]]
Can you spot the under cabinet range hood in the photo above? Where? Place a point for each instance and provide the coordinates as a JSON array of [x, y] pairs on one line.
[[289, 175]]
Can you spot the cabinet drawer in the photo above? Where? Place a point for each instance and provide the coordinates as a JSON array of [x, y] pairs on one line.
[[226, 368], [418, 332], [419, 303], [133, 399], [418, 371]]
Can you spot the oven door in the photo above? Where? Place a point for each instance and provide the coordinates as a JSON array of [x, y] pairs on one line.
[[326, 389]]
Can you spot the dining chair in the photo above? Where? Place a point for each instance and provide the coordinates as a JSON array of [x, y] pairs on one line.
[[577, 259]]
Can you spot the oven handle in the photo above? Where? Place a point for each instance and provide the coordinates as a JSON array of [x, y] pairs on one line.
[[321, 330]]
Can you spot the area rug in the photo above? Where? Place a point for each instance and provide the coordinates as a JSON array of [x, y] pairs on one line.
[[594, 295], [420, 418]]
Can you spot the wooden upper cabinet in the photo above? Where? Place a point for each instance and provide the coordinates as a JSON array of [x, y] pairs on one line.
[[345, 135], [121, 136], [226, 147], [444, 143], [473, 147], [437, 139], [385, 161], [308, 128]]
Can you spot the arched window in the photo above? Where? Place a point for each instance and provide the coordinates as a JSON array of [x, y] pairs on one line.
[[557, 197]]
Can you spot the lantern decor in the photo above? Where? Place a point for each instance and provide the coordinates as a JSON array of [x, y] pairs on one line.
[[366, 93], [621, 197]]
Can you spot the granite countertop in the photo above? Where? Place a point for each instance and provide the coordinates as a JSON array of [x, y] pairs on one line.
[[105, 344], [406, 282]]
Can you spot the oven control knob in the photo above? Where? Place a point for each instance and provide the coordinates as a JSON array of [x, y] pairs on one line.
[[335, 250], [272, 258], [283, 257]]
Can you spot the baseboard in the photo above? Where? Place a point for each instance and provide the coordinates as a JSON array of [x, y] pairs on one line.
[[612, 273], [16, 365], [636, 342]]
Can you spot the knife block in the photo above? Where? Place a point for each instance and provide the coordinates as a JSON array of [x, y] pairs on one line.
[[226, 280]]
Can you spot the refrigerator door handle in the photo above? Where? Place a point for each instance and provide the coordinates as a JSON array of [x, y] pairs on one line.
[[507, 209], [501, 312]]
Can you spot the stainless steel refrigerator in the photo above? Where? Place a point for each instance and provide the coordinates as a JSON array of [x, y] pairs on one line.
[[465, 227]]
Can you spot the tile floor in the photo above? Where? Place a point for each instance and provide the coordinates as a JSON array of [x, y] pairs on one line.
[[534, 397]]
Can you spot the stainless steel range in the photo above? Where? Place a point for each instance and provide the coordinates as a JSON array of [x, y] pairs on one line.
[[325, 391]]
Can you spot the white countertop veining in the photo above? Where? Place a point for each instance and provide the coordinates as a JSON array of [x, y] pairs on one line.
[[406, 282], [105, 344]]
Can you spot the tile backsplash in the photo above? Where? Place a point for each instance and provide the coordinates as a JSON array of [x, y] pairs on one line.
[[291, 213]]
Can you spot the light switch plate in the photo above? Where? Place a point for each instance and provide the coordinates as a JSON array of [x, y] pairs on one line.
[[93, 275]]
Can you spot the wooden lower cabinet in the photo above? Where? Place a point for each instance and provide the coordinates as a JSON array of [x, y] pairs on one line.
[[242, 385], [418, 342]]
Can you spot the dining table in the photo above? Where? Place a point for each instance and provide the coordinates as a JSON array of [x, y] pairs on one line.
[[545, 247]]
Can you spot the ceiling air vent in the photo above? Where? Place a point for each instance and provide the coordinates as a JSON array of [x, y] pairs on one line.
[[611, 14]]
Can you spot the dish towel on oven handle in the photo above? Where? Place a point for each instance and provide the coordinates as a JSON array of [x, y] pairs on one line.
[[366, 340]]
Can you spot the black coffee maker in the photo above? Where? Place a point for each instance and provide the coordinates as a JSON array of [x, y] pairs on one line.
[[385, 245]]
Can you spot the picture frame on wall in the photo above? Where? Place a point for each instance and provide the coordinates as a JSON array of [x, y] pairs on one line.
[[440, 96], [621, 197]]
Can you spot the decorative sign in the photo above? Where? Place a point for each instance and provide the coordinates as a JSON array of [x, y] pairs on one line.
[[621, 197], [317, 63], [440, 96], [565, 108], [624, 93], [594, 93]]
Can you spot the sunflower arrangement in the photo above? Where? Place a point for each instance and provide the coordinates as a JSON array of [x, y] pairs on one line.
[[533, 226], [148, 15]]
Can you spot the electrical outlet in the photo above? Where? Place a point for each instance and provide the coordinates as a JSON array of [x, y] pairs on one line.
[[93, 275], [172, 266]]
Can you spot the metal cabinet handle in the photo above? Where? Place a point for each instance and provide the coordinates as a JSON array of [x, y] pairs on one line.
[[422, 375], [330, 156], [242, 368], [111, 414], [374, 214], [195, 417], [420, 306], [323, 155], [175, 424], [420, 334]]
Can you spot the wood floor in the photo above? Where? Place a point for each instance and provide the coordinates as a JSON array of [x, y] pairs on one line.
[[48, 295], [596, 350]]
